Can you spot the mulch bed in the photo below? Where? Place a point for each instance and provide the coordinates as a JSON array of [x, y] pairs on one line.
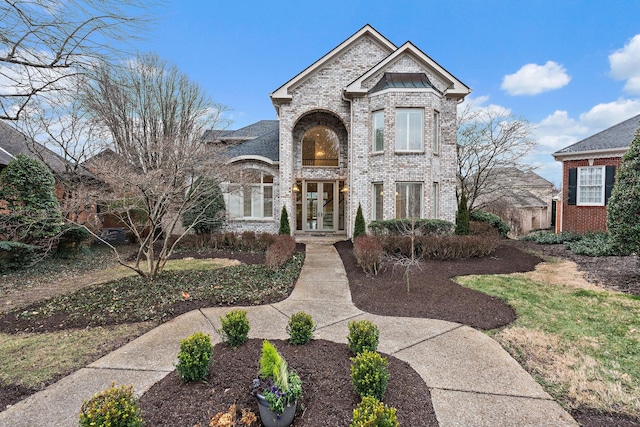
[[432, 293], [324, 368]]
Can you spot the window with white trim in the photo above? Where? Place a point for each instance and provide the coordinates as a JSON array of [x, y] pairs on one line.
[[591, 186], [409, 125], [436, 133], [378, 131], [408, 200], [252, 197], [378, 196]]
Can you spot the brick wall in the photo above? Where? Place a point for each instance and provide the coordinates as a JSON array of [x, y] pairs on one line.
[[582, 219]]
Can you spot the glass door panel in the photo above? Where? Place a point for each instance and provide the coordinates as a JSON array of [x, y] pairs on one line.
[[312, 205], [328, 200]]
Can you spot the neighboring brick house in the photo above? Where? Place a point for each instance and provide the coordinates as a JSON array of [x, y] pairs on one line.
[[588, 175], [369, 123], [13, 142]]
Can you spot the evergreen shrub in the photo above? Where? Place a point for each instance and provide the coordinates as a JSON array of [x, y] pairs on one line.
[[300, 328], [114, 407], [194, 357], [370, 374], [370, 412], [235, 327], [363, 335]]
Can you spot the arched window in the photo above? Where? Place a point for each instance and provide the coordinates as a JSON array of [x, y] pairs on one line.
[[320, 147]]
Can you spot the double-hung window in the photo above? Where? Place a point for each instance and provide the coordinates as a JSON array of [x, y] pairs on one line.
[[436, 133], [378, 196], [591, 186], [435, 200], [253, 197], [378, 131], [408, 200], [409, 129]]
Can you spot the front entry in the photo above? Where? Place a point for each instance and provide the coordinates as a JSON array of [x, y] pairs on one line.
[[320, 206]]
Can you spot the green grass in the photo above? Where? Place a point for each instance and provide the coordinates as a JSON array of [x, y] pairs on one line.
[[33, 360], [582, 345]]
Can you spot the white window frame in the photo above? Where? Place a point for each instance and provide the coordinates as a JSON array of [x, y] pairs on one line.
[[405, 214], [377, 122], [403, 146], [375, 194], [581, 185], [436, 133], [237, 195]]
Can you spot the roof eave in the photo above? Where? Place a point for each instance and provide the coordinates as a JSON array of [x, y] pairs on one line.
[[590, 154]]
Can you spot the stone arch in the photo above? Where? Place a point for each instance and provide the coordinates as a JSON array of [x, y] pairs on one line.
[[322, 119]]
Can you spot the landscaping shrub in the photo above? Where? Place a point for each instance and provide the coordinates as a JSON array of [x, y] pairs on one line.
[[393, 244], [456, 247], [363, 335], [479, 228], [248, 240], [265, 240], [359, 228], [194, 357], [280, 251], [422, 226], [284, 228], [230, 240], [71, 240], [370, 374], [492, 219], [16, 255], [300, 328], [235, 327], [370, 412], [548, 238], [595, 244], [462, 216], [368, 253], [114, 407]]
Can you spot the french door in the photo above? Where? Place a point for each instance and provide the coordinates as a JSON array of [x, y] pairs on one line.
[[320, 206]]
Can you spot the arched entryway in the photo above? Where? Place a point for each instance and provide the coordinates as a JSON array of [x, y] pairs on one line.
[[321, 173]]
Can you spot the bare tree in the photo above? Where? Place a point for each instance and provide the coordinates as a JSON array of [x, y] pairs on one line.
[[43, 43], [489, 140], [154, 117]]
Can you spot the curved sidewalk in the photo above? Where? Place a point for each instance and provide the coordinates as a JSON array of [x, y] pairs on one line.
[[472, 380]]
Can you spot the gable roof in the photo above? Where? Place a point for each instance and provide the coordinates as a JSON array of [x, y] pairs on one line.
[[455, 89], [612, 141], [14, 142], [282, 93], [260, 139]]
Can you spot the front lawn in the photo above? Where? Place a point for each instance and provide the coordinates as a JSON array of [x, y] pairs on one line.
[[583, 345]]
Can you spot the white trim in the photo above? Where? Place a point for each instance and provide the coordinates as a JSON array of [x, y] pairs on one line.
[[8, 153], [251, 157], [282, 93], [593, 154], [456, 88]]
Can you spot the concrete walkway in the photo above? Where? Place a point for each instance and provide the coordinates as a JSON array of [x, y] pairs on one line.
[[473, 381]]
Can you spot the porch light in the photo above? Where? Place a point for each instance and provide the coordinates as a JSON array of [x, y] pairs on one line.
[[295, 188], [344, 189]]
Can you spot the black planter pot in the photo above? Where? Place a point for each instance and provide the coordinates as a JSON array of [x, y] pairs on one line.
[[270, 418]]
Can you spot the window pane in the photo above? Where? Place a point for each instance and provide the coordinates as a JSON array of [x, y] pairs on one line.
[[415, 130], [268, 201], [435, 200], [378, 131], [409, 129], [401, 200], [320, 147], [436, 132], [415, 198], [401, 130], [235, 204], [590, 185], [377, 201]]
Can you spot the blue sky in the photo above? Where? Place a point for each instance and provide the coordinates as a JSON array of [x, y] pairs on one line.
[[572, 68]]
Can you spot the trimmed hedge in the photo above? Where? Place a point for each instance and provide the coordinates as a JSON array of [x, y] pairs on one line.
[[492, 219], [436, 227]]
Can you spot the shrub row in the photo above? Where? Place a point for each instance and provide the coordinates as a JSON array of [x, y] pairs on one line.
[[245, 241], [589, 244], [439, 247], [368, 252], [420, 226]]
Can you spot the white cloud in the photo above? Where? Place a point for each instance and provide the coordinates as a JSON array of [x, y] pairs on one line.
[[625, 65], [606, 115], [533, 79]]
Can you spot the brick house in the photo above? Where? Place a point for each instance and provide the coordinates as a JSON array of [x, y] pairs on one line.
[[588, 175], [368, 124]]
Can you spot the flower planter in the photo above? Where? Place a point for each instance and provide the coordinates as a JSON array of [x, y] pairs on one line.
[[270, 419]]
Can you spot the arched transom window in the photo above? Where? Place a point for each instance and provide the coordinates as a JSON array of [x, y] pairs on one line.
[[320, 147]]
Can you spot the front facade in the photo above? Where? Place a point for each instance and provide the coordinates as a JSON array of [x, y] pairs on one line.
[[368, 124], [588, 176]]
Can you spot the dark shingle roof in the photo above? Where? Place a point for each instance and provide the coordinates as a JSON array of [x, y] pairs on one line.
[[617, 136], [403, 81], [258, 139], [14, 142]]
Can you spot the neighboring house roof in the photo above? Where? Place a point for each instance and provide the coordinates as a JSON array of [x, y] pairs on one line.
[[521, 198], [14, 142], [260, 139], [514, 176], [517, 188], [612, 141]]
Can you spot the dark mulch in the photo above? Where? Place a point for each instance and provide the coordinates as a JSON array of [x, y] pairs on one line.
[[324, 368], [432, 292]]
